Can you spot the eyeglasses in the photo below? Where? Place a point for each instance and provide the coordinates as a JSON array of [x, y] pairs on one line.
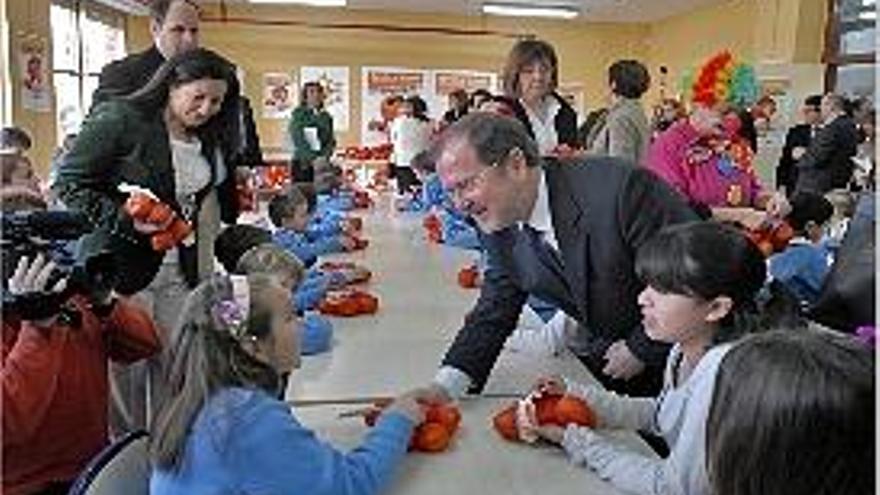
[[474, 181], [469, 184]]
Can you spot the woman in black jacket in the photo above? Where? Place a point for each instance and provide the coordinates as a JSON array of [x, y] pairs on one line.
[[168, 137], [530, 77]]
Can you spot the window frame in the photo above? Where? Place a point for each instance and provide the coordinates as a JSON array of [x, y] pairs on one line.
[[81, 9], [832, 57]]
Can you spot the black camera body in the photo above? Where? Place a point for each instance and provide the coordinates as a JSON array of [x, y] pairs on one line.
[[53, 234]]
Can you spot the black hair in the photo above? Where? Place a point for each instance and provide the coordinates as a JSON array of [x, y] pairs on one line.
[[793, 413], [221, 130], [493, 137], [813, 101], [284, 205], [420, 108], [235, 240], [15, 137], [808, 207], [707, 260], [747, 129], [479, 94], [303, 94], [159, 8], [630, 78], [425, 161]]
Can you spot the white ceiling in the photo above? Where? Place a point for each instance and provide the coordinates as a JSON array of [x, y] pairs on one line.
[[591, 10]]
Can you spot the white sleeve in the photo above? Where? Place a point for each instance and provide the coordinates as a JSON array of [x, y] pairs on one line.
[[615, 411], [682, 473], [623, 467], [455, 381], [550, 339]]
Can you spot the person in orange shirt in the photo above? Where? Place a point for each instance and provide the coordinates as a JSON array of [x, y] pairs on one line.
[[54, 376]]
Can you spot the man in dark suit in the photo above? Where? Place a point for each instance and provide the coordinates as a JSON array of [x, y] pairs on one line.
[[567, 233], [827, 164], [174, 25], [797, 140]]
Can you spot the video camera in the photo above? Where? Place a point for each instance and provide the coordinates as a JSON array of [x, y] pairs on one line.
[[52, 233]]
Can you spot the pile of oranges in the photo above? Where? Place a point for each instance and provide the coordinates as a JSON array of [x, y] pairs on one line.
[[432, 435], [550, 409], [146, 208]]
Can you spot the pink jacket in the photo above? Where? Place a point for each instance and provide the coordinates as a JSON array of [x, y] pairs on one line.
[[700, 178]]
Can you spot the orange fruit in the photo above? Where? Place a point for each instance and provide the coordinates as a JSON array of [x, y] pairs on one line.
[[571, 409], [446, 415], [505, 423], [138, 206], [430, 437], [159, 214]]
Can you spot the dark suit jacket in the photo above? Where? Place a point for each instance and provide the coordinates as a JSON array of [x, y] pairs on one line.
[[798, 136], [565, 122], [127, 75], [603, 211], [827, 164], [118, 144]]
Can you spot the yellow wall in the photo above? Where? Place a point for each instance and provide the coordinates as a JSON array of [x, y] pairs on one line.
[[584, 49], [783, 38], [27, 19], [682, 42]]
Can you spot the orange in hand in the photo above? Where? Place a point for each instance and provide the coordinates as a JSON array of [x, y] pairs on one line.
[[570, 409], [430, 437], [505, 424]]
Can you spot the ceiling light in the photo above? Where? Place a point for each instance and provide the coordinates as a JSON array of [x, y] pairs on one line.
[[311, 3], [525, 10]]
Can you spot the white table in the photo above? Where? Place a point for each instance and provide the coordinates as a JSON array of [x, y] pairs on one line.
[[399, 348]]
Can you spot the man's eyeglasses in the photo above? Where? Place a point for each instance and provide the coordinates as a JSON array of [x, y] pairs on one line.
[[469, 184]]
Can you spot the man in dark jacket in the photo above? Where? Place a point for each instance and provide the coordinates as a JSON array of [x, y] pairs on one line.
[[567, 233], [797, 140], [174, 25], [827, 163]]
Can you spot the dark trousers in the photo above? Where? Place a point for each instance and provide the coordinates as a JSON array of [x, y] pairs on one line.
[[406, 179], [56, 488], [302, 171]]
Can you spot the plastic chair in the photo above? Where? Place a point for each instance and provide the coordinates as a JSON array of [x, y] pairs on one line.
[[122, 467]]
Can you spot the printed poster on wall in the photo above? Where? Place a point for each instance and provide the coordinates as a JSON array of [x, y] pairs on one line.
[[279, 95], [336, 88], [447, 81], [379, 85], [36, 93]]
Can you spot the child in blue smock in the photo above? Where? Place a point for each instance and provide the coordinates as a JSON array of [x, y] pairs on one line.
[[222, 430]]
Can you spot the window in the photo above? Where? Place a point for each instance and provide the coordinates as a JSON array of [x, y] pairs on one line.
[[85, 37], [850, 48]]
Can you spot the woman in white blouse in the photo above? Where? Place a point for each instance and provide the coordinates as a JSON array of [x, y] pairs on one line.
[[530, 77]]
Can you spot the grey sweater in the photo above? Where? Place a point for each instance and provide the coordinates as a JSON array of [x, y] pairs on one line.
[[625, 134], [678, 414]]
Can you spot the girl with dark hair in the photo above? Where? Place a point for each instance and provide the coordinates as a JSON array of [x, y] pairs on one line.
[[531, 76], [702, 279], [311, 132], [222, 429], [169, 137], [793, 413]]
